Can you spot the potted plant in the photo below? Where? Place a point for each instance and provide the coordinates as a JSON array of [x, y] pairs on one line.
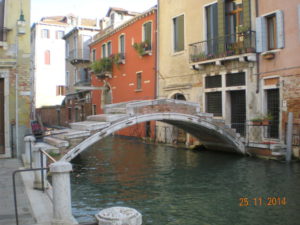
[[143, 48], [102, 67], [257, 121], [266, 119]]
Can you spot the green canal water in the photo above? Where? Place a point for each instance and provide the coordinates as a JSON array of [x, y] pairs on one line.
[[172, 186]]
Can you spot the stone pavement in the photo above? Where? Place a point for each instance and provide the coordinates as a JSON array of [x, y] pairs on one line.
[[7, 210]]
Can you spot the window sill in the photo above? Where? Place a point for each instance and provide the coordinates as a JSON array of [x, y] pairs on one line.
[[178, 53], [3, 44], [138, 90]]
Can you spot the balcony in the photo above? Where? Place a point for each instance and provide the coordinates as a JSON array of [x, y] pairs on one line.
[[229, 47], [103, 68], [79, 56]]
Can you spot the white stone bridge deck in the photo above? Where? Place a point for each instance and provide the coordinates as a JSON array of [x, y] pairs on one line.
[[212, 133]]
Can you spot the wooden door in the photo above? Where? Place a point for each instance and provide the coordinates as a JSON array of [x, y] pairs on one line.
[[2, 116]]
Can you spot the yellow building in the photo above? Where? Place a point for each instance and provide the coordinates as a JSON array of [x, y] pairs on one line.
[[15, 103], [207, 55]]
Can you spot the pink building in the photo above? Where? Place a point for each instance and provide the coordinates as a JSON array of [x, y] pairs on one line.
[[278, 42]]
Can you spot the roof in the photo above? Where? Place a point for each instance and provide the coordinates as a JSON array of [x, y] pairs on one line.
[[121, 11]]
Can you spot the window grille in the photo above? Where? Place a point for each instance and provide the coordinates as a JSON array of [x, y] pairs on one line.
[[213, 81], [235, 79], [214, 103]]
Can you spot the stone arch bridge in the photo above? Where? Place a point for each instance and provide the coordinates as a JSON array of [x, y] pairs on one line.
[[212, 133]]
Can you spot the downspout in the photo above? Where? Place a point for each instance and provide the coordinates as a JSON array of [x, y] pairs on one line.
[[257, 54], [156, 88]]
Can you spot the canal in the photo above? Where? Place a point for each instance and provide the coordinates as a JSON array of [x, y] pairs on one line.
[[172, 186]]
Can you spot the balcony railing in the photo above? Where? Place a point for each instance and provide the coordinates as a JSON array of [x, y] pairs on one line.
[[79, 55], [3, 34], [84, 82], [230, 45]]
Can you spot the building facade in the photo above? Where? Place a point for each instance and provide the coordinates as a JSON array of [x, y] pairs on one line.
[[207, 55], [124, 65], [15, 79], [77, 76], [278, 26]]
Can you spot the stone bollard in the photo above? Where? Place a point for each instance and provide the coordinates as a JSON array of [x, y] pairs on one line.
[[62, 209], [29, 141], [119, 216], [38, 161]]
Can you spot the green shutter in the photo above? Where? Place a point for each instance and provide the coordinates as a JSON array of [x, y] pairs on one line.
[[280, 29], [178, 24]]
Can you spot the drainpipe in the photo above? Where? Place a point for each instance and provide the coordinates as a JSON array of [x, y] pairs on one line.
[[157, 52], [257, 54]]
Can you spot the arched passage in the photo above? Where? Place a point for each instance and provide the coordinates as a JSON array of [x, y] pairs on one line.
[[210, 134]]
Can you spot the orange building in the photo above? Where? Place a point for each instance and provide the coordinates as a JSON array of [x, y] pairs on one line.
[[124, 65]]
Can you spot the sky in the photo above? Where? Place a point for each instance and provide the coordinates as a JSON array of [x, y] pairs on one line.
[[84, 8]]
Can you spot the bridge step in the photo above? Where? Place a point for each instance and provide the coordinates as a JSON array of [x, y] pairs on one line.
[[106, 117], [59, 143], [116, 110], [46, 147], [67, 134], [89, 125]]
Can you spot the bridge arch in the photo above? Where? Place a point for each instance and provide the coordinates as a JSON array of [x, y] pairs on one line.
[[211, 134]]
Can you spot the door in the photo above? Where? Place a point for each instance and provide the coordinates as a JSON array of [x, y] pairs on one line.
[[238, 111], [2, 116], [273, 109]]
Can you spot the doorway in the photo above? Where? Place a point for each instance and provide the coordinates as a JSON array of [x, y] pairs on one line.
[[238, 111]]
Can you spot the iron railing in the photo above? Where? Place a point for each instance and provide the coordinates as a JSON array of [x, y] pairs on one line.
[[229, 45], [3, 33], [79, 55]]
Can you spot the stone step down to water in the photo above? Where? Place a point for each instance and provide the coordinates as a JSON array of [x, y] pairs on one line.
[[59, 143], [67, 134]]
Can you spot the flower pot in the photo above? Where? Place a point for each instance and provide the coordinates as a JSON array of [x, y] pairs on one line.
[[265, 122], [256, 123]]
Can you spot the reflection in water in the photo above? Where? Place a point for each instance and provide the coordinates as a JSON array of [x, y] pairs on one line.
[[176, 186]]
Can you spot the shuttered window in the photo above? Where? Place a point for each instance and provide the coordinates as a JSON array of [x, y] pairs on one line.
[[270, 32], [213, 81], [214, 103], [60, 90], [122, 44], [47, 57], [108, 49], [103, 47], [1, 19], [45, 33], [147, 32], [139, 81], [178, 33]]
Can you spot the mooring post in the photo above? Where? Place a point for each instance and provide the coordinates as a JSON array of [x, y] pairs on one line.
[[119, 215], [40, 177], [289, 136], [62, 210], [29, 141]]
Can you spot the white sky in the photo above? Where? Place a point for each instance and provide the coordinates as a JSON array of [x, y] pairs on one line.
[[84, 8]]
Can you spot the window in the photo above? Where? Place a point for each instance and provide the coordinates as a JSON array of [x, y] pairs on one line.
[[139, 81], [234, 15], [67, 78], [214, 103], [273, 108], [94, 109], [212, 28], [178, 33], [147, 34], [94, 55], [1, 19], [60, 34], [235, 79], [270, 32], [75, 76], [45, 33], [213, 81], [109, 48], [60, 90], [103, 51], [122, 44], [47, 57], [67, 48], [75, 46]]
